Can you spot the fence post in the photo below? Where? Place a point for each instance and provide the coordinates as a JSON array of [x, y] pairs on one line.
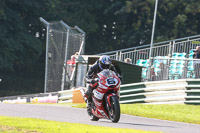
[[81, 50], [116, 56], [65, 60], [173, 46], [47, 45], [170, 47], [149, 70], [120, 56]]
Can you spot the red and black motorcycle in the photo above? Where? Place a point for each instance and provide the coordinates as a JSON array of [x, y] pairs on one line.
[[105, 98]]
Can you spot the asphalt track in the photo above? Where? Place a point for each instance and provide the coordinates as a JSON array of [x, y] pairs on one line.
[[76, 115]]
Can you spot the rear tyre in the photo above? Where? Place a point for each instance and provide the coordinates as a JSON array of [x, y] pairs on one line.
[[114, 109]]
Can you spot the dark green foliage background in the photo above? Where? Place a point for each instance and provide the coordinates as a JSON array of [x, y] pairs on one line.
[[109, 24]]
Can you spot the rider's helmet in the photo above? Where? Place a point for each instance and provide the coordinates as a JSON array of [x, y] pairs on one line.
[[104, 62]]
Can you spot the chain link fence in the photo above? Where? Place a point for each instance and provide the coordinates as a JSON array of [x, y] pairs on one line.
[[62, 42]]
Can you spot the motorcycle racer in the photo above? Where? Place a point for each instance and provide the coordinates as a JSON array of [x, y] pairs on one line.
[[104, 62]]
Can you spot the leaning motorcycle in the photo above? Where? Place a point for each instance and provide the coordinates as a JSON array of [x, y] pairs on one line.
[[105, 98]]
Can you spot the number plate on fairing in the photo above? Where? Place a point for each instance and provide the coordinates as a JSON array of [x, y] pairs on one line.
[[111, 81], [98, 95]]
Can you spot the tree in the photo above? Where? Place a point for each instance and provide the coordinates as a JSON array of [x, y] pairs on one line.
[[20, 51], [109, 25]]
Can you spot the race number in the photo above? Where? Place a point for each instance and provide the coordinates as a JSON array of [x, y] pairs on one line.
[[111, 81]]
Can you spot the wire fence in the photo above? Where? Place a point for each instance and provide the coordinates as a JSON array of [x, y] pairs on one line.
[[62, 42]]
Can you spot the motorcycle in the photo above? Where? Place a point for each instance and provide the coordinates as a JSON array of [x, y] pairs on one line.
[[104, 102]]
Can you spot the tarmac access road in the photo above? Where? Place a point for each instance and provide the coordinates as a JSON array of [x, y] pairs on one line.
[[77, 115]]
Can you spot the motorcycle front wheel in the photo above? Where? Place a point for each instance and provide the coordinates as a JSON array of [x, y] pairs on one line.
[[114, 109]]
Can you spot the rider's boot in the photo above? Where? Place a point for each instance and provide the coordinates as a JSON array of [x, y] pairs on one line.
[[88, 94]]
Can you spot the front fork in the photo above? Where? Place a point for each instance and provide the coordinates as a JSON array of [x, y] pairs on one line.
[[107, 98]]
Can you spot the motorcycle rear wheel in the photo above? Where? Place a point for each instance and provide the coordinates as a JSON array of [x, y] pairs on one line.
[[114, 109]]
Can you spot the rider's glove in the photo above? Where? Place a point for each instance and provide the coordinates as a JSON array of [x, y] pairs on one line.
[[94, 82]]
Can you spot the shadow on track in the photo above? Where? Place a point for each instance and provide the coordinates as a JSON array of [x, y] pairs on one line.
[[136, 124]]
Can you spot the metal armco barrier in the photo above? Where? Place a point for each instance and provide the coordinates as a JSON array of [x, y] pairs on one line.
[[70, 96], [182, 91], [162, 92], [65, 96]]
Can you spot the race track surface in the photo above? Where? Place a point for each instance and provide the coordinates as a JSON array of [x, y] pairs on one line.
[[76, 115]]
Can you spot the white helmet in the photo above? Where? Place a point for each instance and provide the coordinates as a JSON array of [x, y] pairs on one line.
[[104, 62]]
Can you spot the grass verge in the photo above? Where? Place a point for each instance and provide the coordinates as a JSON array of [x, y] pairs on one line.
[[174, 112], [29, 125]]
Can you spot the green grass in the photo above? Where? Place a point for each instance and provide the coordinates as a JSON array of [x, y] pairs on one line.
[[175, 112], [29, 125]]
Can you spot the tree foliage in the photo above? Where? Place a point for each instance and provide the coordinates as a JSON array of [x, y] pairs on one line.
[[109, 25]]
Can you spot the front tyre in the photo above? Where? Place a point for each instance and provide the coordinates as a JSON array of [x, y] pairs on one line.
[[114, 109]]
